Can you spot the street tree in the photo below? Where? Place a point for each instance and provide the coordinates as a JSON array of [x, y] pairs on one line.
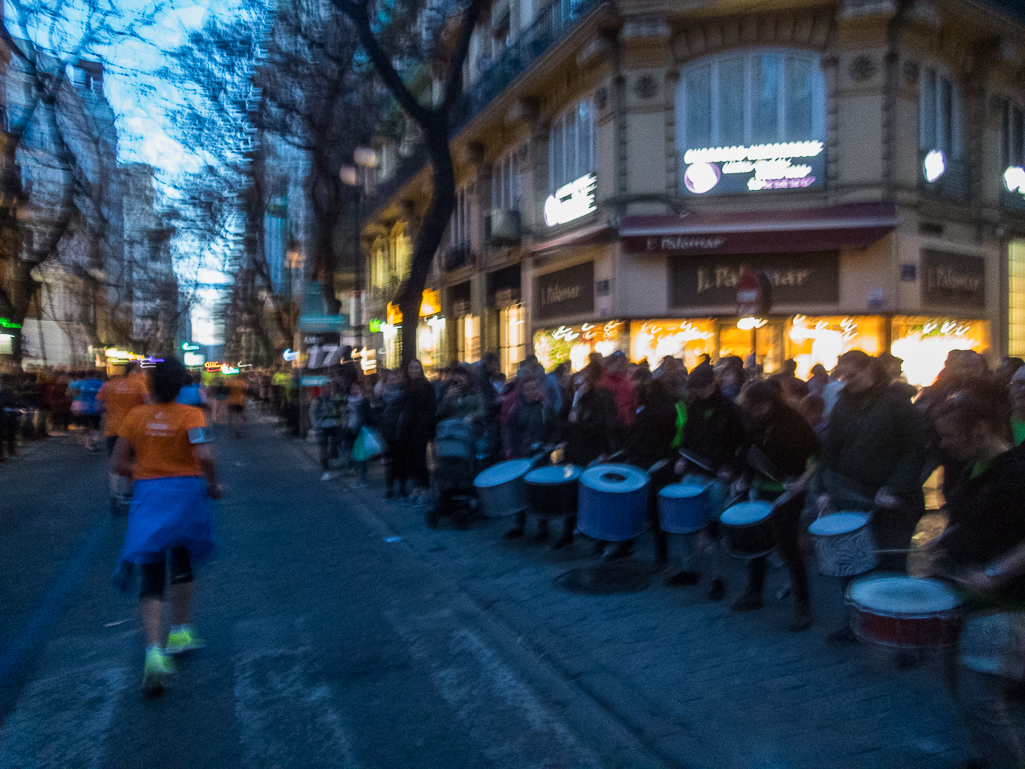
[[388, 34]]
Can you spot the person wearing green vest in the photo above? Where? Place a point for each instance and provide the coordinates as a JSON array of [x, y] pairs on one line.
[[1017, 393]]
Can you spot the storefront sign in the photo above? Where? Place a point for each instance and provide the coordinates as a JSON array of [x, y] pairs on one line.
[[324, 349], [783, 166], [571, 201], [953, 280], [811, 277], [565, 293]]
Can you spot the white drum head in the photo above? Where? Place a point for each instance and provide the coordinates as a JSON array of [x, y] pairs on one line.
[[501, 473], [683, 490], [903, 595], [838, 523], [617, 479], [553, 475], [746, 513]]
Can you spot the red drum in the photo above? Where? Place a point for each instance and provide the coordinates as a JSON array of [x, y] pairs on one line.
[[749, 530], [904, 612]]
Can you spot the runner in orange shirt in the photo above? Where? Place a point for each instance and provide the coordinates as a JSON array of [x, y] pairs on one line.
[[236, 402], [163, 448], [118, 397]]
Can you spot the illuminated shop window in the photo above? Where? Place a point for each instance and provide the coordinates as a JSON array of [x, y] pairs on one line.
[[1016, 298], [574, 343], [762, 336], [512, 338], [924, 343], [821, 340], [431, 343], [735, 110], [685, 340], [468, 338]]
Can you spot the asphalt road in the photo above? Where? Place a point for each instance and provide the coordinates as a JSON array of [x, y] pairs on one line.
[[328, 644]]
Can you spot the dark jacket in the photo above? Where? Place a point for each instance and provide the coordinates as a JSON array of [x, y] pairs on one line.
[[416, 420], [651, 436], [787, 441], [987, 519], [715, 431], [874, 439], [590, 435], [529, 423]]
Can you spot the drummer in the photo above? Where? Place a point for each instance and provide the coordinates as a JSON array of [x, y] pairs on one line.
[[984, 550], [714, 430], [787, 445], [532, 424]]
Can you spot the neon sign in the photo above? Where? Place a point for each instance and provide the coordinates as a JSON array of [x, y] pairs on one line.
[[934, 165], [289, 355], [375, 325], [7, 323], [186, 347], [571, 201], [755, 168]]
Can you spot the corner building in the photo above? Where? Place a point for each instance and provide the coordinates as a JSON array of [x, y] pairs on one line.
[[620, 165]]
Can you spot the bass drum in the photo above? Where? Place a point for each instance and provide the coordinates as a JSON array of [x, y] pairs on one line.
[[500, 488], [748, 529], [683, 508], [843, 544], [613, 502], [904, 612], [552, 492]]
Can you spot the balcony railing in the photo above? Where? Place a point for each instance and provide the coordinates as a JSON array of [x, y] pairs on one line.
[[552, 24]]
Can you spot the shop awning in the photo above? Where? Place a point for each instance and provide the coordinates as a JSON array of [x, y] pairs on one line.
[[579, 237], [854, 225]]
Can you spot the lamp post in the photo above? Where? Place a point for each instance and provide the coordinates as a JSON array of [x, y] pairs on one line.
[[363, 158]]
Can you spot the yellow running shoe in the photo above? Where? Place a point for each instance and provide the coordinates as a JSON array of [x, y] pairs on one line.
[[182, 639], [158, 671]]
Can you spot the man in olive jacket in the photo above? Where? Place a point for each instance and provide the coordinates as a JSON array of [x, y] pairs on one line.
[[873, 456]]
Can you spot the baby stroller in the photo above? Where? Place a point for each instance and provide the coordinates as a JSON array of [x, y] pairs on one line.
[[455, 450]]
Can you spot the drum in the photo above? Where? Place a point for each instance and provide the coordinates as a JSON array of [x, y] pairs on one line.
[[748, 529], [843, 544], [683, 507], [613, 502], [500, 488], [552, 491], [904, 612]]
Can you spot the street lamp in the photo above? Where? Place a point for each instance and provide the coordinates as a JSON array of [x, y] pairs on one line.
[[363, 157]]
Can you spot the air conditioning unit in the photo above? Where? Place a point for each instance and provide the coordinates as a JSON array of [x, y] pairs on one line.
[[502, 227], [507, 297]]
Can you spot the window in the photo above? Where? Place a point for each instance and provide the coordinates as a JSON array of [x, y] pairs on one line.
[[571, 145], [1013, 156], [749, 121], [459, 227], [505, 182], [939, 107], [747, 98], [1016, 298]]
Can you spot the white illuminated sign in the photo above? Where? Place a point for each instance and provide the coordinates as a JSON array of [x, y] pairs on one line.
[[194, 358], [934, 165], [571, 201], [1014, 179], [758, 167]]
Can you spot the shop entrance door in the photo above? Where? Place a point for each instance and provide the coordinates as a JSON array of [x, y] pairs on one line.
[[742, 336]]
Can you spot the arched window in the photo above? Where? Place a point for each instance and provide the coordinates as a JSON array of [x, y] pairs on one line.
[[748, 99], [571, 145]]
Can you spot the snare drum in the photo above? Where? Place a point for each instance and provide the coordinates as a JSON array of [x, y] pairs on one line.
[[683, 507], [748, 529], [613, 502], [500, 488], [904, 612], [843, 544], [552, 491]]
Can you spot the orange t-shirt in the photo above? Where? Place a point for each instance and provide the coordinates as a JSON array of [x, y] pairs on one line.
[[119, 397], [236, 391], [159, 433]]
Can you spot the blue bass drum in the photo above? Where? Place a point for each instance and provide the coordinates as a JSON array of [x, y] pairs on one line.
[[552, 492], [683, 507], [500, 488], [613, 502], [748, 529]]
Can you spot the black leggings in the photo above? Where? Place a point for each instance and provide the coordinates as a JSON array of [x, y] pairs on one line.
[[787, 524], [153, 574]]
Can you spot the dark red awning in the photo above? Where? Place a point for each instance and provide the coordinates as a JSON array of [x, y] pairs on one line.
[[854, 225]]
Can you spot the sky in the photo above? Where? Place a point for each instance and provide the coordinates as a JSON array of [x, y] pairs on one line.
[[140, 100]]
